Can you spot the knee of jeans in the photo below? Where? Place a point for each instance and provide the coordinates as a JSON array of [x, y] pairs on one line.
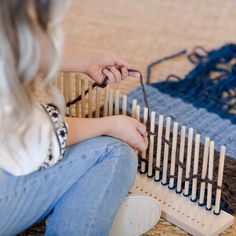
[[128, 160]]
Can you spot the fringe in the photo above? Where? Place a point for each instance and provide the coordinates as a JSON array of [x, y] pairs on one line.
[[211, 84]]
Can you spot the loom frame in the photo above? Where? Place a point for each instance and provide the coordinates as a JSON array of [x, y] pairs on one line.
[[176, 208]]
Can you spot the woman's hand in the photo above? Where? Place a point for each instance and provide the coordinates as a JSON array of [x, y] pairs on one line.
[[128, 130], [110, 65], [96, 65]]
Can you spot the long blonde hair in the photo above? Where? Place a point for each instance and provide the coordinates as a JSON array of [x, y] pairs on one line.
[[23, 25]]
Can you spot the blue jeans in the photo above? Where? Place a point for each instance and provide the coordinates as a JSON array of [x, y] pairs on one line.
[[79, 195]]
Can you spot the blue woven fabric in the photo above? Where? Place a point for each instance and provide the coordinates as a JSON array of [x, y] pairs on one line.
[[210, 85], [208, 124], [203, 99]]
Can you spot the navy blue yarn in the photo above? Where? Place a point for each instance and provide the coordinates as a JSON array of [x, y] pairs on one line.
[[199, 87]]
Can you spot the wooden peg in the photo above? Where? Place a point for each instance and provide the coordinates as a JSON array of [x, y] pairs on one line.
[[97, 102], [90, 100], [219, 180], [124, 105], [134, 105], [181, 159], [106, 100], [111, 102], [166, 151], [188, 163], [159, 144], [210, 175], [204, 171], [83, 98], [151, 145], [143, 163], [117, 103], [70, 93], [195, 167], [77, 92], [173, 154]]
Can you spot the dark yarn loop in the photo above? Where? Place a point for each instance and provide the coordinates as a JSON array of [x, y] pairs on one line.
[[199, 54], [172, 176], [187, 179], [143, 160], [158, 168], [169, 77], [200, 49], [79, 97], [150, 66]]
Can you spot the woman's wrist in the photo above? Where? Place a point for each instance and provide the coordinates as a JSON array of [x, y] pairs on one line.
[[84, 128], [112, 125]]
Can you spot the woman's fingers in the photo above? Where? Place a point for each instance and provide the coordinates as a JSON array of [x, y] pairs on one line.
[[139, 143], [145, 138], [124, 72], [110, 75], [119, 69], [140, 137], [141, 128], [121, 63], [105, 64], [116, 73]]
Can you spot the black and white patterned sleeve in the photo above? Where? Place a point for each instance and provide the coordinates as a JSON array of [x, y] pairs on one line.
[[61, 131]]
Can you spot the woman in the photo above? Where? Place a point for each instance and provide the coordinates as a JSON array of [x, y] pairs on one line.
[[75, 172]]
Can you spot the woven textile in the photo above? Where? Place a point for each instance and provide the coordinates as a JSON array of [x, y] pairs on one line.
[[203, 99], [208, 124]]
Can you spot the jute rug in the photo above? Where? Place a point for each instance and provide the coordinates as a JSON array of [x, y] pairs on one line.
[[143, 31]]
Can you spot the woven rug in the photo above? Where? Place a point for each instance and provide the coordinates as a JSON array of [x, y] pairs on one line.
[[142, 31]]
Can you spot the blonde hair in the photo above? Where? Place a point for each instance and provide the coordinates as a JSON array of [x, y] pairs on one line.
[[24, 25]]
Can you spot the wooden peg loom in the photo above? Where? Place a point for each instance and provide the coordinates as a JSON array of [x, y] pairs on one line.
[[182, 185]]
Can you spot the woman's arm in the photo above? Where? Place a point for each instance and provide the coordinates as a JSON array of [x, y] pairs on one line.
[[121, 127], [80, 129]]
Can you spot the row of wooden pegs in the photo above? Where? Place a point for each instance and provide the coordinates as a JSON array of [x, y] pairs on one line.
[[112, 103]]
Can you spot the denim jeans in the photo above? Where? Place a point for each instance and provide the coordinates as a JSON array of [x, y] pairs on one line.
[[80, 195]]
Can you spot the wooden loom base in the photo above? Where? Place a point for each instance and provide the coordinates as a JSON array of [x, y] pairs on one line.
[[180, 211]]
